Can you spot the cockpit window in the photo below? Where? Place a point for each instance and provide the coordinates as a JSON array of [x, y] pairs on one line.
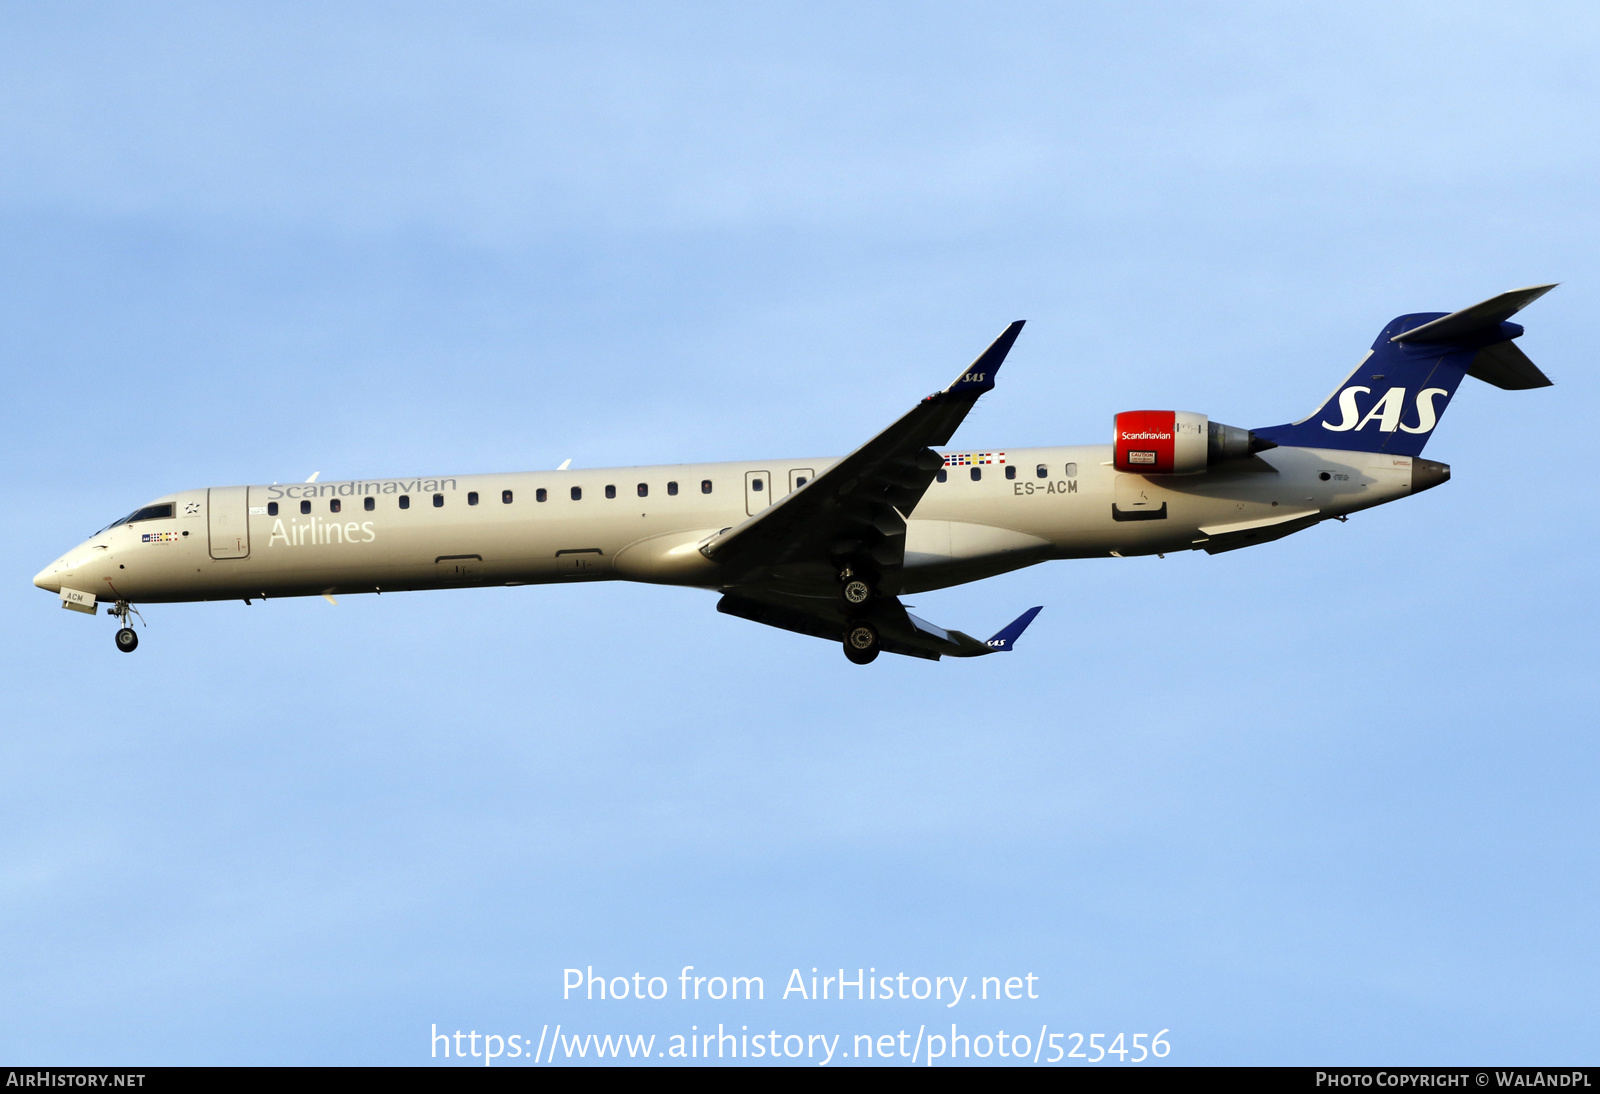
[[149, 512]]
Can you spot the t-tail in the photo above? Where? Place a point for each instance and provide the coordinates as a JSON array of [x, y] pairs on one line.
[[1395, 397]]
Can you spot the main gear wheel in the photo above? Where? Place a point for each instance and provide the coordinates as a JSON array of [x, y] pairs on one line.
[[861, 643]]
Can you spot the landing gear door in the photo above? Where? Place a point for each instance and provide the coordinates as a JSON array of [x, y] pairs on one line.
[[228, 516], [757, 491]]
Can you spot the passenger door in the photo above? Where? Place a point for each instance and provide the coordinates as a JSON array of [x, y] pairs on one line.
[[228, 517]]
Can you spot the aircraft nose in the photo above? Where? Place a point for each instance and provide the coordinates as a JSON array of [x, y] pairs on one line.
[[46, 579]]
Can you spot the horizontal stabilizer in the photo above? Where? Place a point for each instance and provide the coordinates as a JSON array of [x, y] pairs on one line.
[[1505, 366], [1479, 317], [1008, 635]]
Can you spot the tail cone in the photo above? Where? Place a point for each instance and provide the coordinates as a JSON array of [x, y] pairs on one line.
[[1426, 474]]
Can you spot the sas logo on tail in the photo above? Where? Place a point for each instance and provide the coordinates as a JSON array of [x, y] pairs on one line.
[[1387, 410]]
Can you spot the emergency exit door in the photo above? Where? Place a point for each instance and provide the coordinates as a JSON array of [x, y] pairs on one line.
[[228, 518], [757, 491]]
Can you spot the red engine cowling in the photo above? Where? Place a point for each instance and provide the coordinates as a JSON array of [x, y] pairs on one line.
[[1160, 442]]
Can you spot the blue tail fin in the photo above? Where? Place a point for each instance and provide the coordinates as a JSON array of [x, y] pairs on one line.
[[1397, 394]]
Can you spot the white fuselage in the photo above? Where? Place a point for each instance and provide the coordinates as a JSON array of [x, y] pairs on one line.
[[354, 536]]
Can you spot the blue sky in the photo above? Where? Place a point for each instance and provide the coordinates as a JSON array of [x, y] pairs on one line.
[[1329, 800]]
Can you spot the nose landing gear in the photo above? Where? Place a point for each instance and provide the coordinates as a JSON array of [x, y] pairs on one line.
[[127, 638]]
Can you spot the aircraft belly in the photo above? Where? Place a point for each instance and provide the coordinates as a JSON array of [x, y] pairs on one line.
[[940, 550]]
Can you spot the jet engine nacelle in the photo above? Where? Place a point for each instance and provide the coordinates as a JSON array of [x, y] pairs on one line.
[[1177, 442]]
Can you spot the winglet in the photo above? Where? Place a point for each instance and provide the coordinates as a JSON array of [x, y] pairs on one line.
[[979, 376], [1008, 635]]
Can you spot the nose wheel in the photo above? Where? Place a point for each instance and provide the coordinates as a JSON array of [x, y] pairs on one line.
[[127, 639]]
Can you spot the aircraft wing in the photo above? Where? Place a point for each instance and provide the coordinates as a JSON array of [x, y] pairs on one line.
[[898, 630], [857, 508]]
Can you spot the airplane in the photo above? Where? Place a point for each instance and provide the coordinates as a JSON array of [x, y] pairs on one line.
[[826, 546]]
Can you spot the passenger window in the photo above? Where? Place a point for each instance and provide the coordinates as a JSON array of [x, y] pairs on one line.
[[757, 484], [335, 505], [540, 494], [272, 508], [672, 489], [1011, 471], [405, 501], [977, 473], [611, 491], [505, 497], [369, 504], [644, 490], [577, 493], [943, 475], [705, 486], [1072, 470], [1044, 472], [305, 507], [438, 501], [472, 497], [800, 480]]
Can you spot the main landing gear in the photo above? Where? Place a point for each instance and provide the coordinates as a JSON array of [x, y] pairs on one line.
[[127, 638], [857, 592], [855, 589], [861, 644]]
